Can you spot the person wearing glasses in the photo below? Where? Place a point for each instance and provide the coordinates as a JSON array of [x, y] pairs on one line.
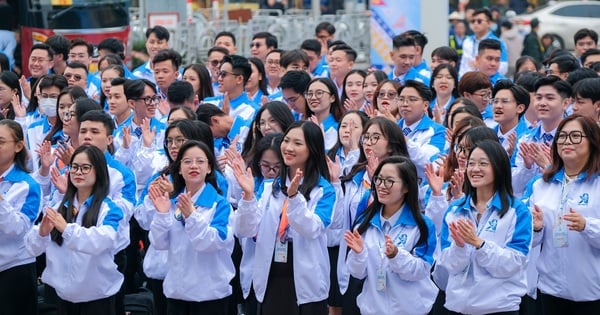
[[213, 63], [262, 43], [81, 51], [485, 238], [392, 244], [552, 97], [481, 24], [566, 220], [324, 108], [20, 204], [289, 220], [76, 73], [273, 70], [476, 86], [192, 222], [425, 137]]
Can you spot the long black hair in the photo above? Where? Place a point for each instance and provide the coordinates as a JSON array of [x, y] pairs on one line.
[[262, 83], [179, 182], [20, 158], [205, 89], [12, 81], [407, 172], [100, 191], [271, 142], [191, 130], [279, 111], [500, 163], [316, 165], [363, 122], [75, 92]]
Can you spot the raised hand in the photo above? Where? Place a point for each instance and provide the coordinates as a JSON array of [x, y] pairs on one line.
[[454, 233], [295, 183], [46, 226], [126, 137], [59, 181], [148, 134], [435, 179], [64, 153], [185, 204], [526, 153], [60, 224], [245, 180], [351, 105], [468, 232], [25, 87], [164, 107], [371, 111], [335, 168], [538, 218], [354, 241], [226, 104], [18, 107], [456, 184], [159, 199], [372, 163], [512, 141], [576, 220], [46, 158]]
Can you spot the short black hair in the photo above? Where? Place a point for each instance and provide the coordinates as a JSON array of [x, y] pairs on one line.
[[207, 110], [520, 94], [292, 56], [402, 41], [445, 52], [225, 34], [527, 80], [561, 86], [580, 74], [113, 45], [98, 115], [297, 80], [587, 53], [59, 44], [325, 26], [350, 53], [50, 80], [489, 43], [180, 92], [420, 38], [565, 63], [485, 11], [223, 50], [135, 88], [336, 42], [312, 45], [239, 65], [168, 54], [270, 39], [583, 33], [82, 42], [587, 88], [77, 65], [118, 81], [43, 47], [423, 90], [159, 31]]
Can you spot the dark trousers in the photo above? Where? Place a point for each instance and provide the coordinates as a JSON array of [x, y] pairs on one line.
[[160, 300], [552, 305], [121, 262], [529, 306], [214, 307], [104, 306], [349, 298], [499, 313], [18, 290]]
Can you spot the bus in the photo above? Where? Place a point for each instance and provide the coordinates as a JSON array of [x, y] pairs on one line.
[[92, 20]]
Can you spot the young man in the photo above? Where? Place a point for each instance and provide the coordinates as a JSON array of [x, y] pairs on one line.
[[509, 104], [341, 61], [165, 65], [261, 44], [223, 127], [226, 40], [215, 58], [114, 46], [295, 59], [422, 73], [293, 84], [82, 51], [60, 46], [76, 74], [157, 39], [562, 65], [316, 66], [273, 70], [403, 54], [589, 57], [443, 55], [233, 76], [481, 24], [552, 97], [41, 59], [325, 33], [181, 93], [488, 59], [586, 94], [50, 88], [585, 39], [119, 108]]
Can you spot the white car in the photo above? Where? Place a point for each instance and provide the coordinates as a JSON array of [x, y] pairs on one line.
[[562, 19]]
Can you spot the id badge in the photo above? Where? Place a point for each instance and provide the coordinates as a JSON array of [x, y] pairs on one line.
[[559, 234], [281, 250], [381, 275]]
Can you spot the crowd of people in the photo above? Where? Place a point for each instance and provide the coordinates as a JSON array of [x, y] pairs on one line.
[[291, 182]]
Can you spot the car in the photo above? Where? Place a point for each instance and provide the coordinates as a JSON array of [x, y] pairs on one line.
[[562, 19]]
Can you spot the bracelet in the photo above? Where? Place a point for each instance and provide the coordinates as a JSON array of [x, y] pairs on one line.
[[292, 196], [480, 246]]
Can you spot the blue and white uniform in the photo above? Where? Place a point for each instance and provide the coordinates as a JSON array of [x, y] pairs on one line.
[[470, 51], [426, 139], [520, 173], [83, 268], [200, 246], [145, 72], [408, 272], [498, 266]]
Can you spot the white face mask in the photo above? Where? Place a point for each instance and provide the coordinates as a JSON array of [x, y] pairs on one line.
[[48, 106]]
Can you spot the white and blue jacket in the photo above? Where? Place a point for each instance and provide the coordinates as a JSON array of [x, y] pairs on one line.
[[571, 272], [144, 72], [82, 269], [520, 130], [308, 221], [498, 267], [408, 286], [521, 175], [20, 204], [200, 246], [470, 51], [330, 132], [424, 142]]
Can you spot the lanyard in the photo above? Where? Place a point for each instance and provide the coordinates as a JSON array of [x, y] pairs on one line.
[[283, 222]]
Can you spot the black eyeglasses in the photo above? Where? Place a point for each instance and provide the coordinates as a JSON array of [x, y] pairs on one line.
[[575, 137], [255, 45], [387, 182], [223, 74], [215, 62], [84, 168], [370, 139], [461, 149], [266, 167], [75, 77], [66, 116], [149, 100]]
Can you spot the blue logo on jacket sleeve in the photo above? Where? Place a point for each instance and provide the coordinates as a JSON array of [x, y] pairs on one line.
[[492, 225], [584, 199], [402, 240]]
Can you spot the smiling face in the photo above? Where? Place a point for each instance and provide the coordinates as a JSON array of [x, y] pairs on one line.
[[9, 147], [505, 107], [443, 83], [267, 124], [570, 152], [374, 142], [294, 149], [80, 165], [411, 105], [194, 166], [392, 195], [117, 102], [154, 45], [369, 87], [549, 105], [479, 170], [322, 104]]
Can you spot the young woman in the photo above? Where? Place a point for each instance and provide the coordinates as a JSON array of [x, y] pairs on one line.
[[10, 97], [347, 149], [566, 216], [198, 76], [371, 83], [66, 99], [256, 87], [476, 86], [81, 232], [353, 97], [444, 84], [273, 117], [20, 203], [289, 221], [485, 238], [106, 76], [324, 108], [385, 103], [393, 244], [192, 223], [179, 113]]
